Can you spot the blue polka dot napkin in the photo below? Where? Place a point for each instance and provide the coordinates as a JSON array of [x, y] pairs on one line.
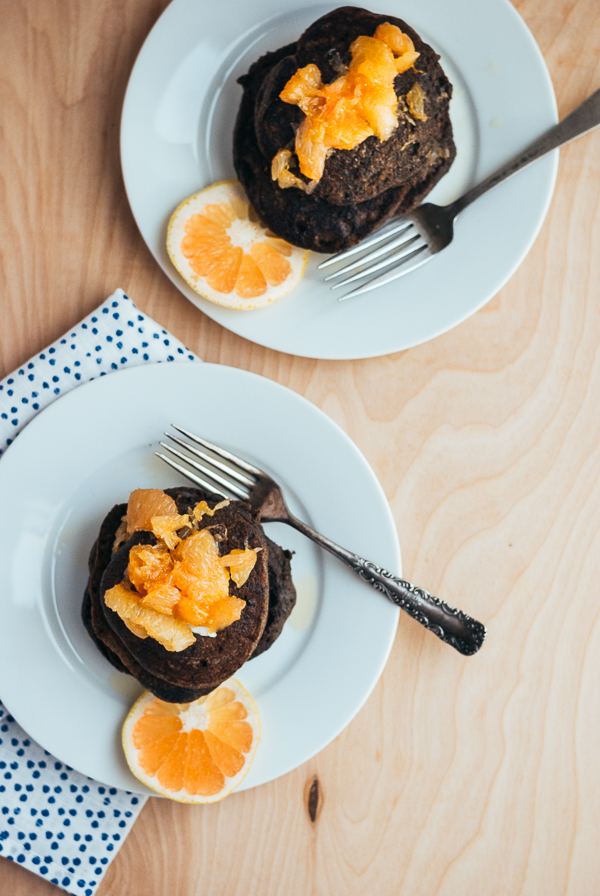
[[114, 336], [53, 820]]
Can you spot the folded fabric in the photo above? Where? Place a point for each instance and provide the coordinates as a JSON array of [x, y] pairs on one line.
[[114, 336], [53, 820]]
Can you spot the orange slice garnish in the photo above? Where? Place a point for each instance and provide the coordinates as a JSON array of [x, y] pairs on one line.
[[193, 752], [225, 254]]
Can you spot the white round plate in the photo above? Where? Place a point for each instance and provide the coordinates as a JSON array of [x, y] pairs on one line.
[[176, 138], [84, 454]]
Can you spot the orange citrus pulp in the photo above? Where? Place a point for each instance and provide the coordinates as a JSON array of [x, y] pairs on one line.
[[359, 104], [219, 246], [211, 253], [193, 752], [182, 578]]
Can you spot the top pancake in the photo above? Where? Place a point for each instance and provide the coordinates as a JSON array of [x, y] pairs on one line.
[[208, 661], [185, 675], [362, 187]]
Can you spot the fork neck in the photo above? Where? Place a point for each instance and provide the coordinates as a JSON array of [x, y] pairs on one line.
[[324, 542], [267, 497], [584, 118]]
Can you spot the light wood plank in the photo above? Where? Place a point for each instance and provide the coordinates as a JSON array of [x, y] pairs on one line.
[[458, 777]]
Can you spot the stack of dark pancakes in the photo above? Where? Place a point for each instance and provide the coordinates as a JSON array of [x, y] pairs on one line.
[[361, 188], [182, 677]]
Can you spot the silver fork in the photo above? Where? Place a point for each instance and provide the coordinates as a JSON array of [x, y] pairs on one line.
[[410, 241], [230, 476]]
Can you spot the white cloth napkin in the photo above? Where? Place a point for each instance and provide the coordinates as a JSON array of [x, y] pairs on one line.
[[53, 820]]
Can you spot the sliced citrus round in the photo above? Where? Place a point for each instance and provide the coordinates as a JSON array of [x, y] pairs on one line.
[[221, 249], [193, 752]]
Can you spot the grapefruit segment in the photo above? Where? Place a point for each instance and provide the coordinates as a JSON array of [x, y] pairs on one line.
[[240, 563], [227, 759], [274, 267], [172, 633], [152, 728], [203, 777], [145, 503], [251, 282], [172, 771], [235, 732]]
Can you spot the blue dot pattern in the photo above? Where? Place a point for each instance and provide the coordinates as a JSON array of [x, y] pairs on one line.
[[58, 823], [116, 335], [62, 825]]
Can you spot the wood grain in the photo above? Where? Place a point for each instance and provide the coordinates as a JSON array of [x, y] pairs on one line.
[[459, 776]]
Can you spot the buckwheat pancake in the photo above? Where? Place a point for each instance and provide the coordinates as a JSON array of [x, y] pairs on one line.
[[362, 187], [181, 677]]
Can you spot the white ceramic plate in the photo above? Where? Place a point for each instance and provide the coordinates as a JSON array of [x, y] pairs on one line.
[[84, 454], [176, 138]]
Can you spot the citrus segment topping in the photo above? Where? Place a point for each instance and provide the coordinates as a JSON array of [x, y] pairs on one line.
[[165, 527], [162, 597], [173, 634], [202, 509], [399, 43], [136, 630], [198, 556], [193, 752], [191, 611], [223, 612], [360, 103], [181, 578], [145, 503], [240, 563], [415, 99], [149, 565], [217, 244]]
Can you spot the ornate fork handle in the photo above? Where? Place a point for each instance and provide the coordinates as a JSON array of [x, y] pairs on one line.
[[453, 626]]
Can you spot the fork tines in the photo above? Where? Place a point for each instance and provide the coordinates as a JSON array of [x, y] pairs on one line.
[[210, 461], [399, 244]]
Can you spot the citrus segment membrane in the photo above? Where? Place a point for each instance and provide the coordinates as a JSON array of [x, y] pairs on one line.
[[193, 752], [145, 503], [173, 634], [240, 563], [226, 255]]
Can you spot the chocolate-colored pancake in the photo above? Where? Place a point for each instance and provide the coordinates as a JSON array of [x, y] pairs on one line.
[[282, 596], [209, 661], [360, 188], [100, 631], [169, 675], [99, 558]]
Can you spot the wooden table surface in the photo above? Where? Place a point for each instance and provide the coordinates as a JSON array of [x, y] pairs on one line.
[[459, 776]]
